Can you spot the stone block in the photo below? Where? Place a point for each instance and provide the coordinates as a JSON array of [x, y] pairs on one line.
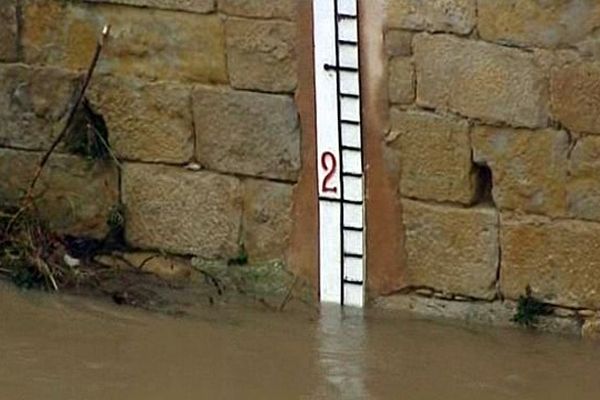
[[434, 156], [151, 44], [480, 80], [199, 6], [529, 168], [551, 59], [261, 55], [146, 121], [590, 46], [451, 249], [495, 313], [398, 43], [33, 104], [559, 260], [457, 16], [401, 81], [247, 133], [583, 186], [480, 312], [8, 30], [591, 329], [283, 9], [169, 268], [183, 212], [537, 23], [575, 92], [73, 195], [267, 219]]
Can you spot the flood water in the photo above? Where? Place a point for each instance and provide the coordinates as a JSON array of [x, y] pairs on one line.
[[54, 347]]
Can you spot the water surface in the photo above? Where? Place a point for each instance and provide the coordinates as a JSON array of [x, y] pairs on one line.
[[54, 347]]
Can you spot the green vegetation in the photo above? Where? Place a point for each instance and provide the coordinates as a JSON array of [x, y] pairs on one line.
[[241, 258], [529, 309], [115, 239], [269, 282]]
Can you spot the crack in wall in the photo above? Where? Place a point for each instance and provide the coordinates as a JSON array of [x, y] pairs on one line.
[[19, 16], [483, 185]]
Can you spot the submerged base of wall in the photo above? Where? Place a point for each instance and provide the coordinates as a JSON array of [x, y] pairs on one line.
[[583, 323]]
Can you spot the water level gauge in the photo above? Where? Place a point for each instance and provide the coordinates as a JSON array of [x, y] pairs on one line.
[[339, 152]]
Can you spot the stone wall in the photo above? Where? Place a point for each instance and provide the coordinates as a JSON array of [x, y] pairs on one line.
[[493, 140], [197, 96], [495, 128]]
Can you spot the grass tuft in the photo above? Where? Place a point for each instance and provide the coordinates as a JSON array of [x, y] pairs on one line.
[[529, 309]]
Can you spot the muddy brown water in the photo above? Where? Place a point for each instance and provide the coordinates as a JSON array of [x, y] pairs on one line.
[[56, 347]]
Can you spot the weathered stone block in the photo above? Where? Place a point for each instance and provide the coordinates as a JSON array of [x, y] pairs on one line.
[[33, 102], [261, 55], [284, 9], [560, 260], [434, 155], [590, 46], [451, 249], [576, 96], [247, 133], [199, 6], [496, 313], [267, 219], [583, 187], [398, 43], [149, 122], [529, 168], [154, 45], [591, 329], [537, 23], [169, 268], [480, 80], [480, 312], [456, 16], [401, 81], [182, 212], [74, 195], [8, 30], [550, 59]]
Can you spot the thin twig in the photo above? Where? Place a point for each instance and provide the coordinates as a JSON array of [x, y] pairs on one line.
[[14, 218], [216, 282], [72, 112], [288, 296], [45, 269], [146, 261], [108, 149], [27, 199]]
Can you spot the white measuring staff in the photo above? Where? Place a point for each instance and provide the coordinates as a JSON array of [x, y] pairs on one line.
[[339, 152]]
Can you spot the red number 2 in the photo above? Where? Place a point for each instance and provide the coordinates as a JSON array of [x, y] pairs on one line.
[[329, 164]]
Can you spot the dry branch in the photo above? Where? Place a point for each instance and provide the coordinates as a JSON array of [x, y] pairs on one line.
[[71, 116], [38, 252], [27, 200]]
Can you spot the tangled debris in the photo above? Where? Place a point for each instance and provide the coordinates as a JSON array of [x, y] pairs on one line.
[[30, 254], [34, 257]]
